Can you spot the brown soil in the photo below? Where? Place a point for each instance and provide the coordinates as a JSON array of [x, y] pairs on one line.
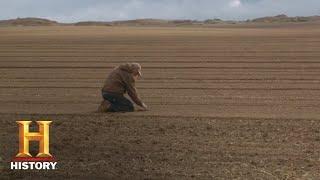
[[225, 103]]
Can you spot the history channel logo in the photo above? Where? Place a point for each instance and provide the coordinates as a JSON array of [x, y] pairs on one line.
[[24, 160]]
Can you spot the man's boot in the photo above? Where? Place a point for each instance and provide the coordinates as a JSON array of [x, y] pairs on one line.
[[104, 106]]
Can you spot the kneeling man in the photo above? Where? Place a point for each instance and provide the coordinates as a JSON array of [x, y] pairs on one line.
[[120, 81]]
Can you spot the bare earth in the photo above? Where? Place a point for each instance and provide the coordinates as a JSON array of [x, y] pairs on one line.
[[225, 103]]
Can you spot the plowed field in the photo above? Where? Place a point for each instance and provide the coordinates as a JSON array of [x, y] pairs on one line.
[[224, 102]]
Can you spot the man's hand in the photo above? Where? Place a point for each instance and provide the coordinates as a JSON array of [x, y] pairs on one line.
[[144, 107]]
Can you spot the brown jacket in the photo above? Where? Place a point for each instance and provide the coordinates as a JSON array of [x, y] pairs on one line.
[[120, 81]]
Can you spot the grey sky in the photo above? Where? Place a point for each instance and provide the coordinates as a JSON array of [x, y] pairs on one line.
[[106, 10]]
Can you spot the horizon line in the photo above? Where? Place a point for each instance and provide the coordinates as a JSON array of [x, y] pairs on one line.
[[150, 18]]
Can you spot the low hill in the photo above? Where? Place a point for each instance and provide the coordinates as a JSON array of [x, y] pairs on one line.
[[139, 22], [152, 22], [284, 18], [28, 22]]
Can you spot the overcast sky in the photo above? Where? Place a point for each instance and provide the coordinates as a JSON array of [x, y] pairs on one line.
[[106, 10]]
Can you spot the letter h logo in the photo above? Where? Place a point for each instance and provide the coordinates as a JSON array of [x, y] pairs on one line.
[[42, 136]]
